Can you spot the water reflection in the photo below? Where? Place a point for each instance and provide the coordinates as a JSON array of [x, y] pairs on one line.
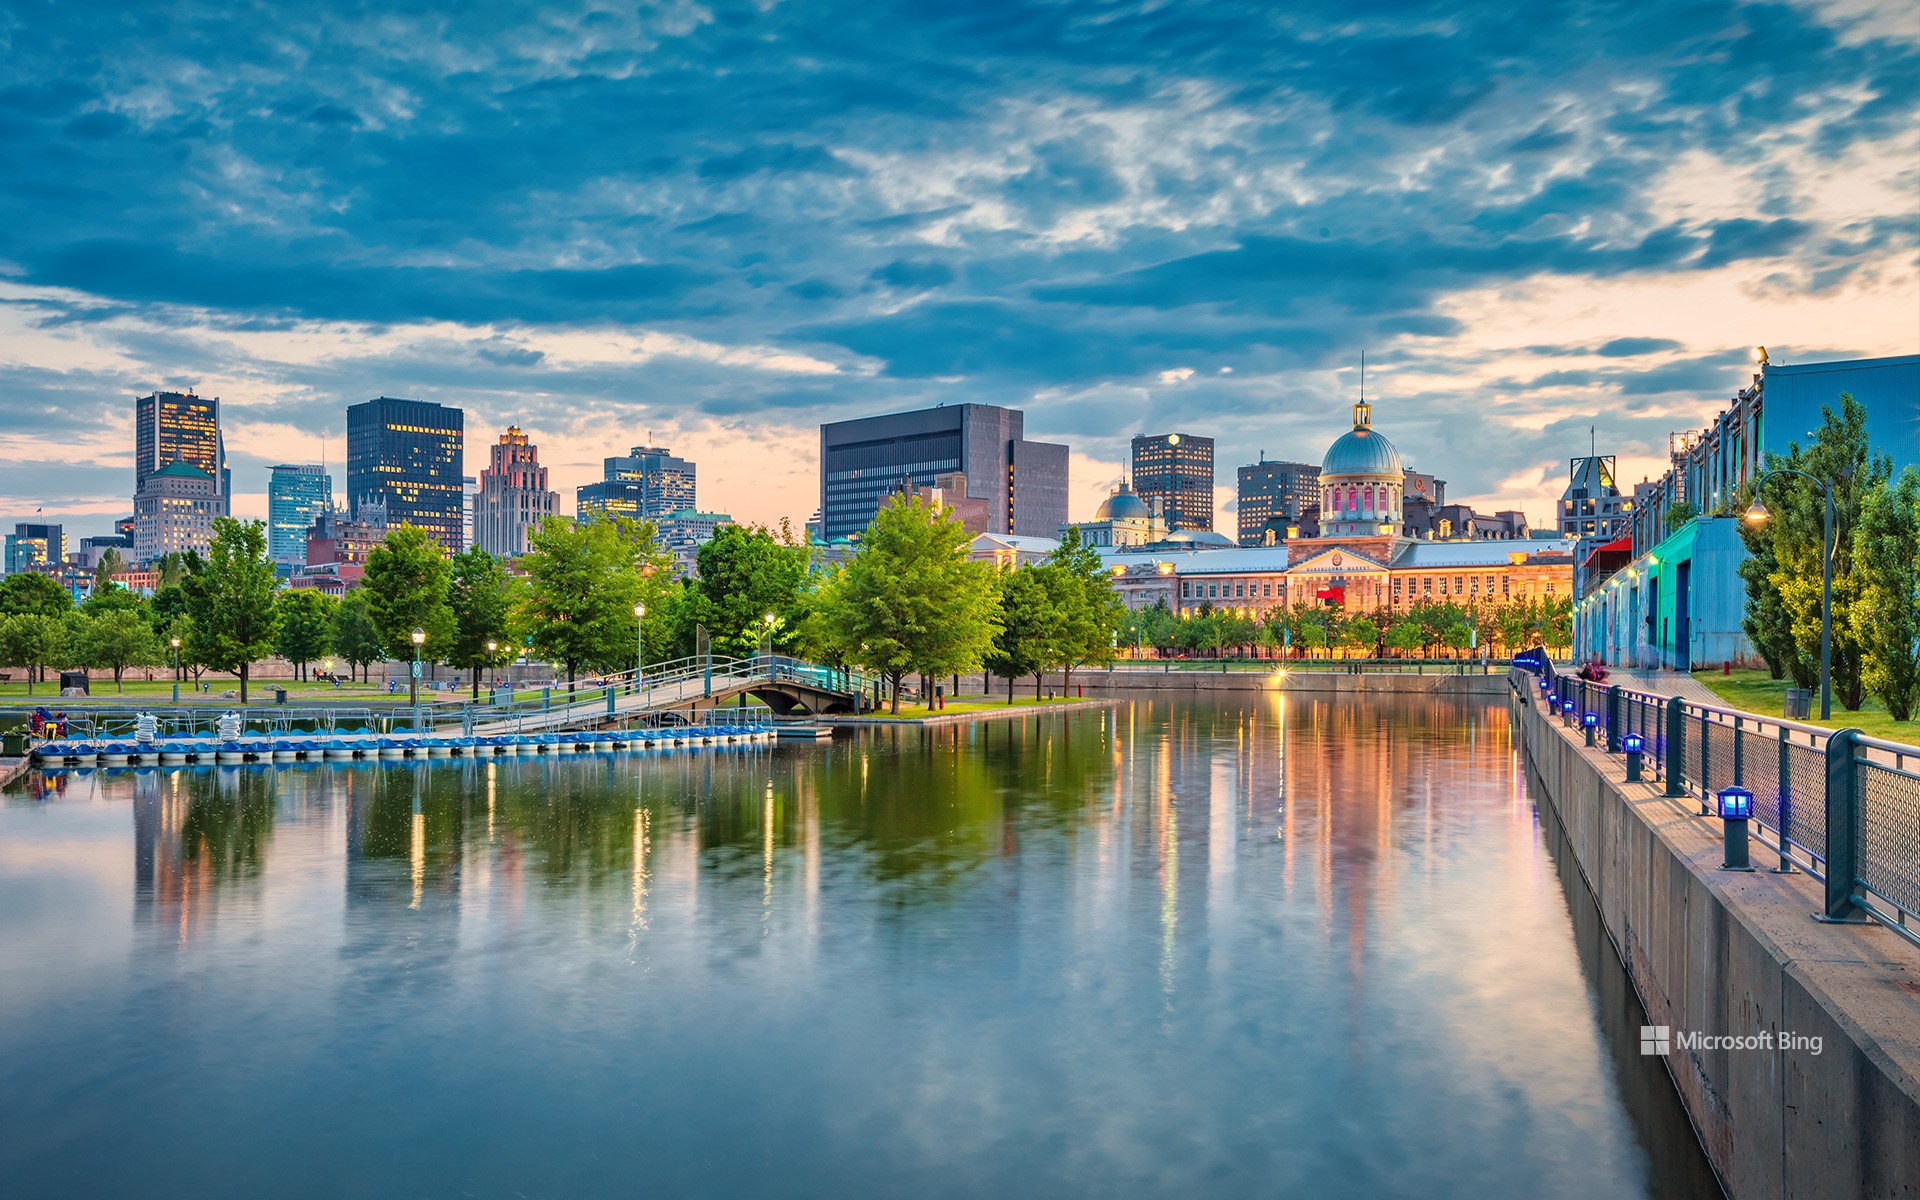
[[1167, 949]]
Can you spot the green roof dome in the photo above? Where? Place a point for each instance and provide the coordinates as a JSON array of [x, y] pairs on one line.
[[1362, 450]]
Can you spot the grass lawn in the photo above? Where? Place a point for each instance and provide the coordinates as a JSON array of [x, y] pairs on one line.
[[1756, 692], [915, 712]]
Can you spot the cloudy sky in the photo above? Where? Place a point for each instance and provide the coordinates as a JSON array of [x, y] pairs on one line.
[[724, 223]]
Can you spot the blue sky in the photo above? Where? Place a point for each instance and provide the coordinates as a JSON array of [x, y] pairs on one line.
[[723, 223]]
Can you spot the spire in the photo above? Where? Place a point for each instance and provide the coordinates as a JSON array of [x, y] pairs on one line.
[[1363, 412]]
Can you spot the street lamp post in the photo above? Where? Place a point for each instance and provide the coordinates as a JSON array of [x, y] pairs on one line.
[[413, 693], [639, 648], [1756, 514], [769, 620], [493, 660], [175, 643]]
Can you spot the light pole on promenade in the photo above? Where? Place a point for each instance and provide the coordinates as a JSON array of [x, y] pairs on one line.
[[639, 648], [769, 620], [413, 693], [493, 660], [1757, 514], [175, 643]]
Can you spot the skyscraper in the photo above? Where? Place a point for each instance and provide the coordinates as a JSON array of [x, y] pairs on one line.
[[1272, 495], [865, 460], [174, 511], [1176, 469], [407, 454], [645, 485], [179, 427], [513, 496], [297, 496]]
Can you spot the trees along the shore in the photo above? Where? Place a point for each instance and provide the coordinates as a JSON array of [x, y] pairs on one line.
[[306, 627], [1886, 616], [1556, 622], [356, 638], [406, 584], [744, 574], [26, 592], [1087, 609], [115, 640], [32, 640], [1023, 646], [109, 565], [909, 600], [583, 581], [1456, 637], [230, 600], [1404, 636], [480, 595], [1362, 634]]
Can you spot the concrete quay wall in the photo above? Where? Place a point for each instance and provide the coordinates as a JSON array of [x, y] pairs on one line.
[[1136, 682], [1728, 953]]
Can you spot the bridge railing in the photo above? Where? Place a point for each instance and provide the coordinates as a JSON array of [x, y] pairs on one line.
[[1840, 805]]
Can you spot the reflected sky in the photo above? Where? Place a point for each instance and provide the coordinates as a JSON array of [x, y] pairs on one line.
[[1272, 947]]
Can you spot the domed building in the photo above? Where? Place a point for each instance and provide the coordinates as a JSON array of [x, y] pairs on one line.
[[1361, 479], [1124, 519]]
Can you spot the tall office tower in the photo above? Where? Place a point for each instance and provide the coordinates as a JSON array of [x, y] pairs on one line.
[[1272, 497], [645, 485], [513, 496], [865, 460], [179, 427], [407, 455], [1176, 469], [33, 544], [297, 496], [174, 511]]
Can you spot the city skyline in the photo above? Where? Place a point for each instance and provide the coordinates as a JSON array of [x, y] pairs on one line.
[[1177, 220]]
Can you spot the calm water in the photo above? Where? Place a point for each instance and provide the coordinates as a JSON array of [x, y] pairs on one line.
[[1206, 950]]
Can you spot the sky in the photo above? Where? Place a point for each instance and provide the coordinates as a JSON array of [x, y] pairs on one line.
[[714, 226]]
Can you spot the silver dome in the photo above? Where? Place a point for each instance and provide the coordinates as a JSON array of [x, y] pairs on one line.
[[1362, 450]]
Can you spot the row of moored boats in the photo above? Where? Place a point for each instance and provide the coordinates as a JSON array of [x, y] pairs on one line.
[[207, 748]]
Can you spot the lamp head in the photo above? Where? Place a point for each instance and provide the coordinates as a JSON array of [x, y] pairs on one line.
[[769, 618], [1756, 513], [1566, 706], [1633, 743], [492, 646], [174, 642], [419, 637], [1589, 720], [639, 610], [1759, 354], [1736, 804]]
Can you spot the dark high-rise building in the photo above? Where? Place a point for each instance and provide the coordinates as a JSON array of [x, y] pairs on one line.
[[1177, 470], [1272, 496], [645, 484], [34, 544], [867, 459], [407, 456], [170, 427]]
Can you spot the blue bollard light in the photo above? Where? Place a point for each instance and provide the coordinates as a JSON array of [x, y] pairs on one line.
[[1566, 712], [1590, 722], [1634, 745], [1736, 806]]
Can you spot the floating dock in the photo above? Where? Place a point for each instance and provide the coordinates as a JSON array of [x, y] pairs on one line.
[[284, 749]]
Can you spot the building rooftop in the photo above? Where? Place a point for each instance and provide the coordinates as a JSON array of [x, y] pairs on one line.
[[1479, 553]]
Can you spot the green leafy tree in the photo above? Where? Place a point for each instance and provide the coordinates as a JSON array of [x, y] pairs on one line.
[[1886, 616], [1361, 634], [910, 601], [115, 640], [1087, 610], [1027, 623], [1840, 452], [306, 627], [27, 592], [743, 575], [168, 605], [481, 597], [1455, 637], [583, 581], [1403, 637], [406, 584], [32, 640], [230, 601], [356, 637], [174, 568], [110, 564], [1679, 513]]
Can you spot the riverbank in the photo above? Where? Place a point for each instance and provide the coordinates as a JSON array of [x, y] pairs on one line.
[[1146, 680], [966, 712], [1736, 955]]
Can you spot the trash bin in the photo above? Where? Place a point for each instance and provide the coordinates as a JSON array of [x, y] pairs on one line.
[[76, 681], [1799, 704], [279, 695]]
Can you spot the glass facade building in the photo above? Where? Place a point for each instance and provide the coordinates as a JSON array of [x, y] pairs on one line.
[[1272, 497], [407, 456], [171, 427], [297, 496], [865, 460], [645, 484], [1177, 470], [32, 544]]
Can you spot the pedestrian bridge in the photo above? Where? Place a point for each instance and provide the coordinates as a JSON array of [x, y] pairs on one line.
[[788, 686]]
